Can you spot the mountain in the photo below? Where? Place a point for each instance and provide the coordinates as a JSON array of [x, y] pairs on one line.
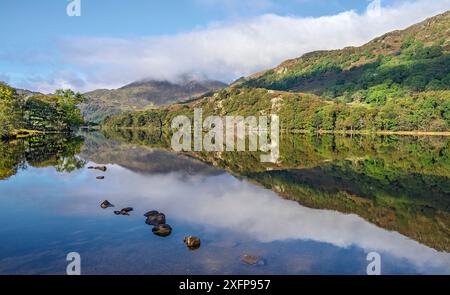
[[143, 94], [394, 65], [119, 148], [397, 82], [27, 93]]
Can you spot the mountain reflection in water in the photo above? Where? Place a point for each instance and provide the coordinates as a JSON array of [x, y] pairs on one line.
[[341, 198]]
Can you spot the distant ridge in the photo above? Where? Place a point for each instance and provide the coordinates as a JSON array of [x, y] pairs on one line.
[[143, 94]]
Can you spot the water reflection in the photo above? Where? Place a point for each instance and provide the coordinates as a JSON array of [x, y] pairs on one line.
[[51, 211], [43, 151], [398, 183]]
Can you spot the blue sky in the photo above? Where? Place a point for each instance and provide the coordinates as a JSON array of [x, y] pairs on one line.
[[114, 42], [46, 19]]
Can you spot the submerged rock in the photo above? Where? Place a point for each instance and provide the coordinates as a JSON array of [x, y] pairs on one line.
[[124, 211], [193, 243], [162, 230], [156, 219], [106, 204], [100, 177], [101, 168], [252, 260]]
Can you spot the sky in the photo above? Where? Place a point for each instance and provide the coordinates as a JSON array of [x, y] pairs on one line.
[[115, 42]]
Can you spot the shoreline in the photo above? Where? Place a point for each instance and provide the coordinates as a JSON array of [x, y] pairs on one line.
[[341, 132], [364, 132], [26, 133]]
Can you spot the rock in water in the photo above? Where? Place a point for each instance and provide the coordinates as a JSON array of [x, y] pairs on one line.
[[156, 219], [151, 213], [106, 204], [252, 260], [124, 211], [193, 243], [162, 230], [101, 168], [100, 177]]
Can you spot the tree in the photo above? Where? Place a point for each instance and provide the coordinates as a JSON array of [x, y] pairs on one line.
[[7, 93]]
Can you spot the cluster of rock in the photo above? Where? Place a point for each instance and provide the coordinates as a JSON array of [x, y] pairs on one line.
[[162, 229], [125, 211], [100, 168], [158, 221], [153, 218]]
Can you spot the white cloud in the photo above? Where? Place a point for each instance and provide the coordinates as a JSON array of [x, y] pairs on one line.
[[229, 50], [206, 201]]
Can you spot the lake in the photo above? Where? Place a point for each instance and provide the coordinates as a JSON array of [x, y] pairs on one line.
[[327, 203]]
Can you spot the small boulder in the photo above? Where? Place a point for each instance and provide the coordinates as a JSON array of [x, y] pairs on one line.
[[151, 213], [101, 168], [106, 204], [100, 177], [252, 260], [156, 219], [124, 211], [193, 243], [162, 230]]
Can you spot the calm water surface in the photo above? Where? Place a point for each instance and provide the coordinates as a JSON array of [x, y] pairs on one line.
[[315, 214]]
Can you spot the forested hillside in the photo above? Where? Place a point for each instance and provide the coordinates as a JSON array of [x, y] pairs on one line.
[[24, 114], [394, 66]]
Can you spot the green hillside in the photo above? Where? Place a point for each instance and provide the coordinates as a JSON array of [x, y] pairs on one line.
[[23, 114], [392, 66], [397, 82], [427, 111]]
